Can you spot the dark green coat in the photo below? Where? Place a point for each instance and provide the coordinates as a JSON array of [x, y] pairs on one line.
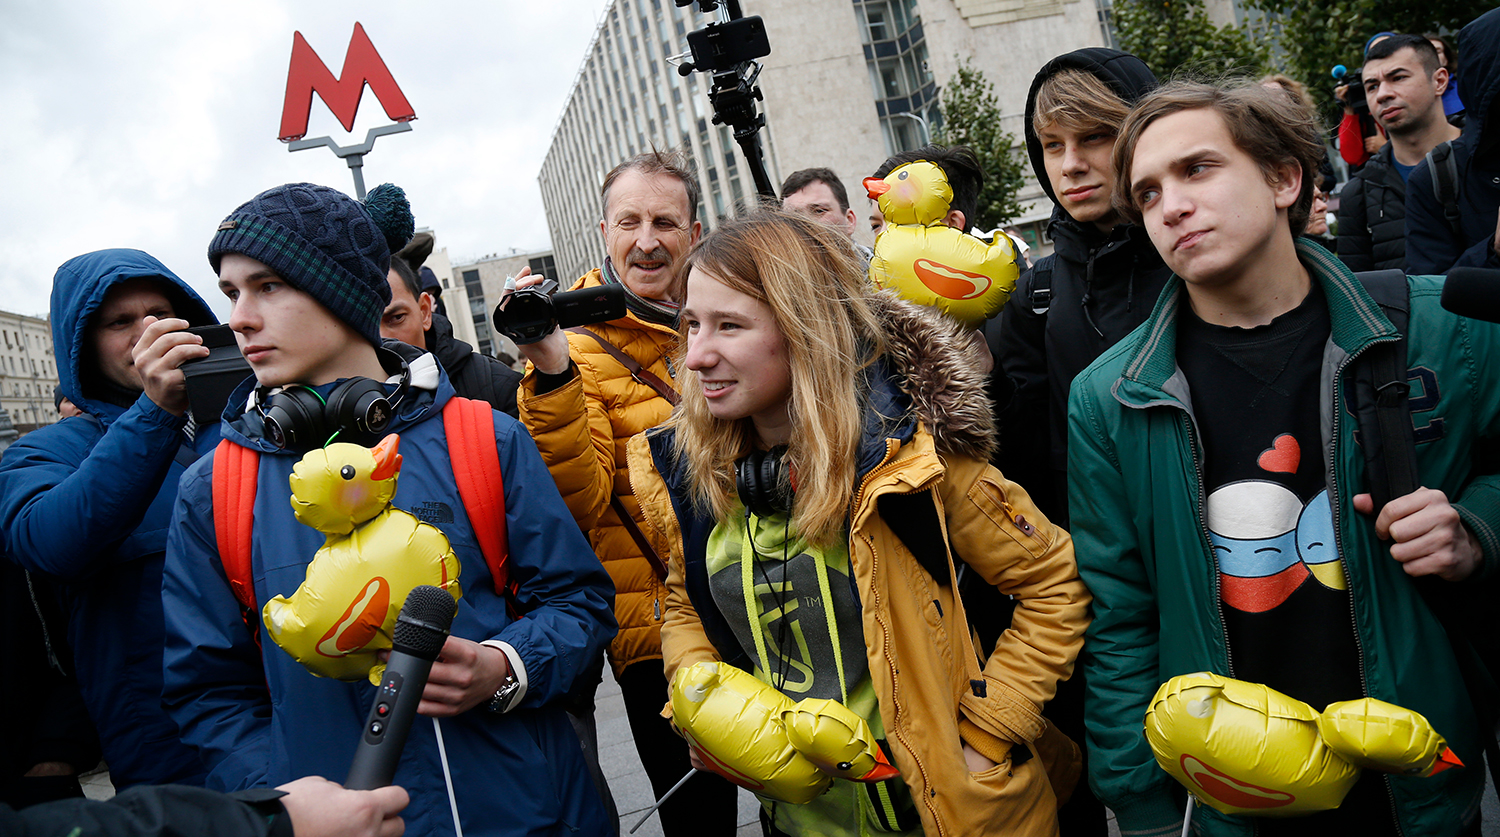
[[1136, 495]]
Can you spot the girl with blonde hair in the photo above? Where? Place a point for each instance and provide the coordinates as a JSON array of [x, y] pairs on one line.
[[819, 490]]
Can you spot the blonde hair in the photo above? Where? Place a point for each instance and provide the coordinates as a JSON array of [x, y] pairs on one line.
[[1075, 100], [814, 283]]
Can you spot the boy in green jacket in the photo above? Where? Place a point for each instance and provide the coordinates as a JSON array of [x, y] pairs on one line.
[[1219, 496]]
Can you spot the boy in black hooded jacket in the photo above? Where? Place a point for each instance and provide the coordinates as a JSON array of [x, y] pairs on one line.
[[1102, 278]]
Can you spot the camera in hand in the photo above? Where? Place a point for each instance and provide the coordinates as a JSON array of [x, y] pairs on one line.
[[1354, 97], [210, 380], [529, 314]]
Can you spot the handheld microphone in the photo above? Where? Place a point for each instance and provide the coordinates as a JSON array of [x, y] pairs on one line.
[[420, 631], [1473, 292]]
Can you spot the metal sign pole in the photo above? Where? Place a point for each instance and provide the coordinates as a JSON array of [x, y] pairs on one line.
[[353, 154]]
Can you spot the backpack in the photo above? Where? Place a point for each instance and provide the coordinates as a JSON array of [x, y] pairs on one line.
[[1444, 171], [1380, 400], [470, 428]]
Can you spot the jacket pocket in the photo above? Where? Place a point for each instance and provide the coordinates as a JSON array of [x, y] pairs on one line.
[[991, 500]]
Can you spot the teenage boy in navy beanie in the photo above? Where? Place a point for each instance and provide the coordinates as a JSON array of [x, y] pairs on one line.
[[305, 268]]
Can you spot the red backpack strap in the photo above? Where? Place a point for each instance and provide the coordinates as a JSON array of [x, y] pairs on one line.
[[470, 427], [235, 470]]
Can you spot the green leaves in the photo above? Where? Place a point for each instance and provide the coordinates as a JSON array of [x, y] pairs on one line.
[[1176, 39], [971, 116]]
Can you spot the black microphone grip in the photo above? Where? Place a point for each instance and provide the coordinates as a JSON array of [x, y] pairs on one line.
[[420, 631]]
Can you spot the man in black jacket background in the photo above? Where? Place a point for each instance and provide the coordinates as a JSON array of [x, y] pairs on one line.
[[1404, 85], [411, 319]]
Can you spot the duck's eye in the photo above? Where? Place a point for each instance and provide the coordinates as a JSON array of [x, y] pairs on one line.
[[347, 472], [901, 175]]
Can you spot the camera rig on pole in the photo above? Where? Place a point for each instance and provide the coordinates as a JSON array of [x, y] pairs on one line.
[[726, 49]]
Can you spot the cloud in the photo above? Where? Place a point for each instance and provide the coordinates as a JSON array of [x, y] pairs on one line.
[[144, 124]]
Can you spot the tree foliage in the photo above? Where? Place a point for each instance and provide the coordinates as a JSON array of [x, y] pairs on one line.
[[971, 116], [1315, 35], [1176, 39]]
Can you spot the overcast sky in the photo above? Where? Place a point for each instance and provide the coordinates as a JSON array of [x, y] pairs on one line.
[[143, 124]]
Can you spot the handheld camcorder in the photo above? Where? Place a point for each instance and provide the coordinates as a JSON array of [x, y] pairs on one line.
[[1354, 97], [529, 314], [210, 380]]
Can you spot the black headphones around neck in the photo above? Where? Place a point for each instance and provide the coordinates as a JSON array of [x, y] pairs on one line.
[[762, 480], [357, 410]]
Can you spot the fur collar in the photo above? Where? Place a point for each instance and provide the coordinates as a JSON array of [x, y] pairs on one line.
[[935, 365]]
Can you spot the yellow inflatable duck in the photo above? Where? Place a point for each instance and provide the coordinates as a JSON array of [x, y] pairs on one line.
[[756, 737], [930, 263], [373, 556], [1245, 748]]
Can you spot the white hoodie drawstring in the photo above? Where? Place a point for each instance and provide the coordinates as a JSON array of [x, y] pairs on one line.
[[447, 777]]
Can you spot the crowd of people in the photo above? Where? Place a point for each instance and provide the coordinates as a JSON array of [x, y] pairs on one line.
[[1170, 453]]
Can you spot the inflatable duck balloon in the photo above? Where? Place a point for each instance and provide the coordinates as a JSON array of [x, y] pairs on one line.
[[756, 737], [373, 556], [930, 263], [829, 734], [1245, 748]]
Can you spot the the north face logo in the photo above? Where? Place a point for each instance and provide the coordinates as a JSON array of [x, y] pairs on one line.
[[433, 513]]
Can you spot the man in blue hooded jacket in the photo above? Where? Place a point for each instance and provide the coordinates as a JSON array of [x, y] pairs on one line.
[[88, 500], [305, 269]]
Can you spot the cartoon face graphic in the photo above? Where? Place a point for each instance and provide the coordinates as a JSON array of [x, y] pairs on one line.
[[1253, 527], [1315, 544], [1267, 543]]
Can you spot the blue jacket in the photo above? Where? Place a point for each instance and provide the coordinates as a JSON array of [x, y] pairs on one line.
[[88, 500], [1431, 246], [259, 718]]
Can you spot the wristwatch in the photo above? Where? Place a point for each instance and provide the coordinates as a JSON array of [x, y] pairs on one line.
[[506, 694]]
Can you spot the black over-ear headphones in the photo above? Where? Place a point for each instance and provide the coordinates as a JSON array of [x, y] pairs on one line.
[[762, 481], [358, 411]]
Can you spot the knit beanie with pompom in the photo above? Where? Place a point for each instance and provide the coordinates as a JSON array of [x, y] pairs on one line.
[[324, 243]]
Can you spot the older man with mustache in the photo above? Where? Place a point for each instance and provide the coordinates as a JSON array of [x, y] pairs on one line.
[[584, 394]]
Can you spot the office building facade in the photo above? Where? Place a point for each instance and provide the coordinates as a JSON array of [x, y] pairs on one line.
[[847, 83]]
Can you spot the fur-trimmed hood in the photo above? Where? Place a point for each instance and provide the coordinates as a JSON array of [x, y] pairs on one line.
[[930, 372]]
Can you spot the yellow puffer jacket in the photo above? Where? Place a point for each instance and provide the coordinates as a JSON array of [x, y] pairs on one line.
[[581, 430], [934, 692]]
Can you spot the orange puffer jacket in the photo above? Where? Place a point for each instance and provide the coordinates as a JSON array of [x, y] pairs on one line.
[[581, 429]]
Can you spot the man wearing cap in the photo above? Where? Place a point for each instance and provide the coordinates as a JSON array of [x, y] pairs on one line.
[[305, 270], [87, 501]]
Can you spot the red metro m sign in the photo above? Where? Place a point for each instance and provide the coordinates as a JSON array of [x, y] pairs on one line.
[[362, 65]]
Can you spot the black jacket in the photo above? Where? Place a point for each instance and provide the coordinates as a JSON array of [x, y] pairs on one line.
[[1431, 246], [155, 811], [473, 375], [1102, 287], [1372, 216]]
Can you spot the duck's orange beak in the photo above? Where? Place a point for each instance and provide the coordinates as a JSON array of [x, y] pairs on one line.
[[387, 460], [876, 187], [882, 770], [1446, 759]]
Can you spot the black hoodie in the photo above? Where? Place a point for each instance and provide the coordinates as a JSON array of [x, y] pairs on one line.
[[1102, 287], [473, 375]]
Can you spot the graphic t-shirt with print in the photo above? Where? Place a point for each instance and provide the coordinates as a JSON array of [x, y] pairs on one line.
[[803, 606]]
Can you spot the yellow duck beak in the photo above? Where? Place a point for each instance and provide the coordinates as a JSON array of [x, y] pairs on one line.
[[882, 770], [876, 187], [387, 460]]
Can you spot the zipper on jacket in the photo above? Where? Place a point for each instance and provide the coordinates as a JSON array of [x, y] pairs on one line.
[[1088, 290], [1203, 534], [1338, 540], [891, 446], [1017, 518], [656, 607]]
